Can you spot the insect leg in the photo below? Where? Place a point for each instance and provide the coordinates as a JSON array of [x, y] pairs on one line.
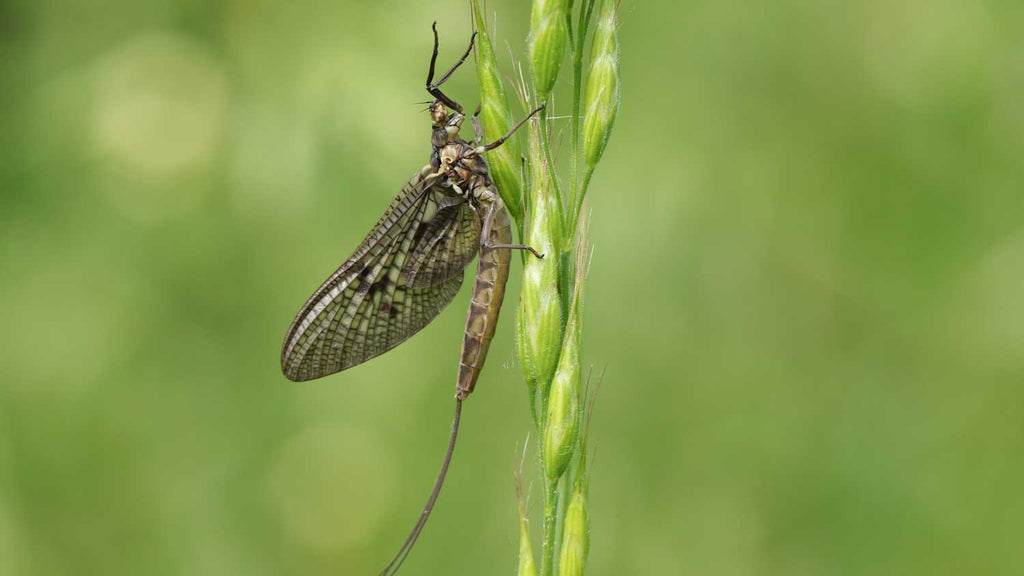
[[478, 131], [434, 88], [500, 141], [515, 247], [493, 206]]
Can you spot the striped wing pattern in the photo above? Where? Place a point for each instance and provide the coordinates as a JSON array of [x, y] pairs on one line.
[[403, 274], [448, 245]]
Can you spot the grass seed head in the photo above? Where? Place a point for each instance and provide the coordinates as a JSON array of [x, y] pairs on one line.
[[527, 566], [540, 313], [561, 430], [576, 535], [548, 36], [601, 99], [495, 120]]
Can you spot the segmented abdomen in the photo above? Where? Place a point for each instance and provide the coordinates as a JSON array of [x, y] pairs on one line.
[[488, 292]]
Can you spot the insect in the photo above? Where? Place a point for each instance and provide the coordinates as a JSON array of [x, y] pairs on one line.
[[410, 266]]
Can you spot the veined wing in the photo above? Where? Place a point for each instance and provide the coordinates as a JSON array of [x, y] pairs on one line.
[[448, 245], [386, 291]]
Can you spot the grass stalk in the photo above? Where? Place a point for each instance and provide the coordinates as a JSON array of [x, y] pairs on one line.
[[549, 323]]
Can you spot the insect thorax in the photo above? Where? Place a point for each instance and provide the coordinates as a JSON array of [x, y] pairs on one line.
[[466, 172]]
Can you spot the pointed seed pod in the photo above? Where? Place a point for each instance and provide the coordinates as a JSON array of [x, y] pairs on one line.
[[527, 360], [495, 120], [527, 567], [547, 43], [561, 430], [540, 314], [601, 99], [576, 535]]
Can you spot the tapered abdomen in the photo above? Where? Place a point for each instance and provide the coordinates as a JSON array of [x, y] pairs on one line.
[[488, 291]]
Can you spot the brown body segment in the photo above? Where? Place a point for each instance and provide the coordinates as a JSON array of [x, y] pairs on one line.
[[488, 291]]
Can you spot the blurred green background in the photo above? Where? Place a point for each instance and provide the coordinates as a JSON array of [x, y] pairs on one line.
[[808, 292]]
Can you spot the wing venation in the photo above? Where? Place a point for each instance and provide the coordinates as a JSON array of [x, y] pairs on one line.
[[400, 277]]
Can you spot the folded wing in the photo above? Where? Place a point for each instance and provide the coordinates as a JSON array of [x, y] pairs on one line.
[[403, 274]]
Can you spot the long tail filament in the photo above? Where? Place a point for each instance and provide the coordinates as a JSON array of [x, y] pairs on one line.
[[403, 552]]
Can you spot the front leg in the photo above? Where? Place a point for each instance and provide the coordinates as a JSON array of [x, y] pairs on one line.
[[478, 131]]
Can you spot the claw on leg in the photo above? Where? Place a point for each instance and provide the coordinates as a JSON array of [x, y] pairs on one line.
[[501, 140], [516, 247]]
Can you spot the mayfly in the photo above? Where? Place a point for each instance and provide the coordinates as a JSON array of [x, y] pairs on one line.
[[410, 267]]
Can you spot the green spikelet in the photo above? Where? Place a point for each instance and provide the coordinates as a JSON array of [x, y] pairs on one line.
[[496, 120], [540, 313], [527, 566], [576, 535], [601, 99], [548, 36], [563, 415]]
